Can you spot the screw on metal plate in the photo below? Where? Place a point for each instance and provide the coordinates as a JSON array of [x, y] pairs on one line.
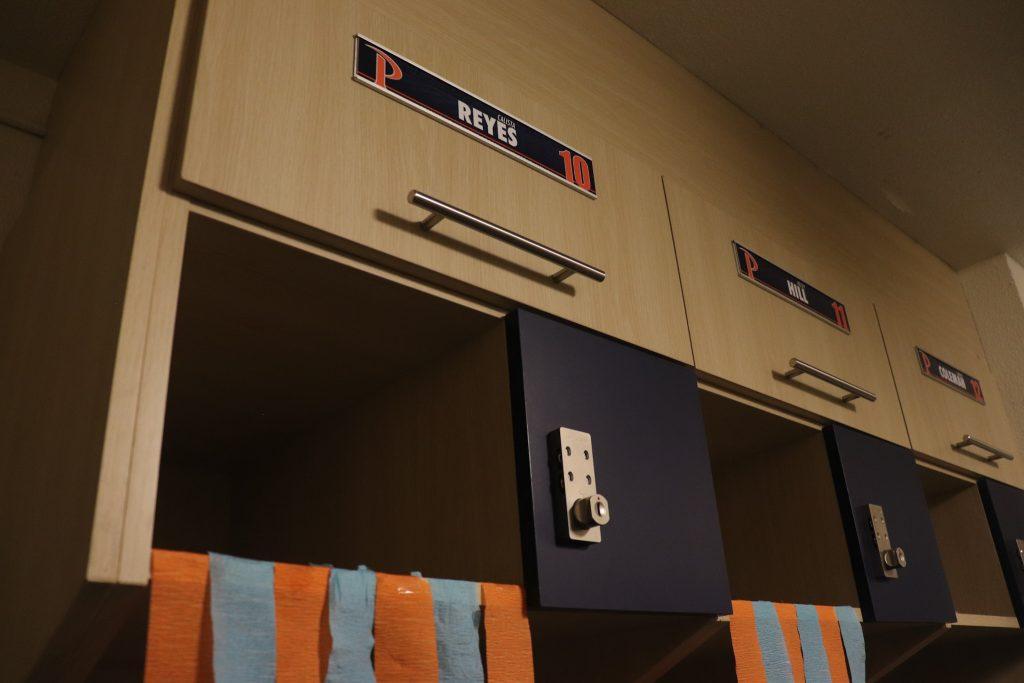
[[1020, 551], [586, 511], [892, 559]]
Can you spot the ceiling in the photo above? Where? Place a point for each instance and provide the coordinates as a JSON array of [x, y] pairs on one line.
[[917, 106]]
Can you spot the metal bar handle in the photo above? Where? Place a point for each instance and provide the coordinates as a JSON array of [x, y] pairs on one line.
[[997, 454], [440, 210], [799, 367]]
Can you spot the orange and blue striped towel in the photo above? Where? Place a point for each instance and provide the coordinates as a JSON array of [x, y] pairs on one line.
[[780, 643], [289, 622]]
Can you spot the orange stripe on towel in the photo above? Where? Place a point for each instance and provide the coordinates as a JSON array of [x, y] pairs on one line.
[[405, 641], [303, 627], [179, 642], [833, 644], [788, 621], [507, 647], [745, 646]]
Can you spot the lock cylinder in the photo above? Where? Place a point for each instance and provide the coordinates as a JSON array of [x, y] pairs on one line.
[[591, 511], [895, 558]]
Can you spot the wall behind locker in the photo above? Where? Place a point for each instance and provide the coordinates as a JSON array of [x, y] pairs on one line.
[[995, 290], [24, 108]]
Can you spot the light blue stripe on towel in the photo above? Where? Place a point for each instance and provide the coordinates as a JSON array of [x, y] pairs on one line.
[[853, 643], [813, 646], [244, 627], [457, 623], [774, 655], [352, 598]]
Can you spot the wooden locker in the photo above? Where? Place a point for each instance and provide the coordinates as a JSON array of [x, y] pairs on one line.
[[747, 335], [940, 414], [279, 130]]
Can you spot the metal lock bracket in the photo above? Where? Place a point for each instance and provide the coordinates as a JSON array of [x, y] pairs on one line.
[[1020, 552], [586, 511], [892, 559]]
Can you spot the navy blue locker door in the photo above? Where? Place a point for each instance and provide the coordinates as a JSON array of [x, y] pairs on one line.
[[1004, 506], [662, 549], [867, 471]]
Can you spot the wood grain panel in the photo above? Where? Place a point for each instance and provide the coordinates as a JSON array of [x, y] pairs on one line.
[[746, 335], [18, 153], [62, 280], [279, 130], [937, 416], [418, 476], [574, 54]]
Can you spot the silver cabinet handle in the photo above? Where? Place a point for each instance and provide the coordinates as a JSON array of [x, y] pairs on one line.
[[440, 210], [799, 367], [971, 441]]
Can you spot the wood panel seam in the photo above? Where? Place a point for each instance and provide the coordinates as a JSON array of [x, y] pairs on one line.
[[896, 385], [679, 270]]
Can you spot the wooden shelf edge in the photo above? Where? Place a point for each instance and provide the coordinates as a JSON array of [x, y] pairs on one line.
[[944, 469], [708, 384], [985, 621]]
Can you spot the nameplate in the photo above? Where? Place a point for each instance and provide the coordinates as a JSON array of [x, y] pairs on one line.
[[955, 379], [426, 92], [766, 274]]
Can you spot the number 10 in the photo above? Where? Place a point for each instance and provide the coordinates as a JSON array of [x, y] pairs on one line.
[[577, 171]]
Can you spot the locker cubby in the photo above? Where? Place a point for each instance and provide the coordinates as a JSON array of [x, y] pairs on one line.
[[985, 644], [781, 504], [781, 523], [976, 580], [320, 411]]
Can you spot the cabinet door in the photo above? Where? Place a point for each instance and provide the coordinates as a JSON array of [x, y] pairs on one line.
[[869, 471], [661, 550], [1004, 506], [934, 358], [747, 333], [279, 130]]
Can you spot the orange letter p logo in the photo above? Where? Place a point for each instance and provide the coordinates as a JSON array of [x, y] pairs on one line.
[[382, 75], [751, 263]]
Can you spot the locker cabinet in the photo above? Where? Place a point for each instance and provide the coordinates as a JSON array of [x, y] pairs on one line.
[[305, 381], [793, 501], [336, 413], [941, 414], [786, 490], [985, 643], [320, 413], [755, 338], [279, 130]]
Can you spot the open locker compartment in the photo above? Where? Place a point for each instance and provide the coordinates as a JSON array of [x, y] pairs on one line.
[[319, 412], [785, 527], [976, 581]]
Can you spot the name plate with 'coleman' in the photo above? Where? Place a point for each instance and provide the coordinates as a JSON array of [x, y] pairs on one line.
[[428, 93], [763, 272], [943, 372]]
